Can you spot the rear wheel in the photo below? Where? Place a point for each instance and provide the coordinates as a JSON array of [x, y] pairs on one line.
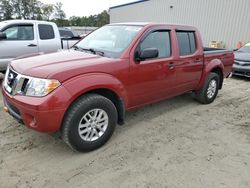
[[89, 123], [210, 89]]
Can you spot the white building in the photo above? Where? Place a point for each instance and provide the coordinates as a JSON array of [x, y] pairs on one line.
[[218, 20]]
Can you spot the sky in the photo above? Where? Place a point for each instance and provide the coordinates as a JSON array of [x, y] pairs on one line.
[[86, 7]]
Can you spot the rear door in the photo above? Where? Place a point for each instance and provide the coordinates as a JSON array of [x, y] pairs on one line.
[[151, 79], [21, 40], [49, 38], [190, 62]]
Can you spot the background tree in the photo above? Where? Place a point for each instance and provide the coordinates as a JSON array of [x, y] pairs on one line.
[[102, 19], [92, 20], [47, 11], [59, 14], [76, 21], [35, 9], [6, 10], [27, 9]]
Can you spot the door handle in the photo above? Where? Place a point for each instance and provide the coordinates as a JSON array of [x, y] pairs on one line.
[[197, 61], [171, 65], [32, 45]]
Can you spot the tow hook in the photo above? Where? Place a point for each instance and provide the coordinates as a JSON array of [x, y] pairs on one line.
[[6, 109]]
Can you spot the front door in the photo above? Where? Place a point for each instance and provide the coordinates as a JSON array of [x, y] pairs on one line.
[[152, 79], [20, 41]]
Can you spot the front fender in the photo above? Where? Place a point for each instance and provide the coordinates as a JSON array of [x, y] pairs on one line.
[[84, 83], [208, 68]]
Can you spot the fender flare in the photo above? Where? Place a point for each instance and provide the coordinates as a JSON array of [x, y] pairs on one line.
[[82, 84], [208, 68]]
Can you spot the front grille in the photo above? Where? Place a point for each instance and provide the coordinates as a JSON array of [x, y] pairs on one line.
[[246, 64], [11, 77], [15, 83], [238, 72], [242, 60], [242, 63]]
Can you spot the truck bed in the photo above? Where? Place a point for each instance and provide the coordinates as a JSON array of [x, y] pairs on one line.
[[208, 50], [223, 55], [69, 42]]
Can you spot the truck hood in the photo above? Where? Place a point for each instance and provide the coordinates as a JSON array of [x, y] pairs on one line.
[[61, 65], [242, 56]]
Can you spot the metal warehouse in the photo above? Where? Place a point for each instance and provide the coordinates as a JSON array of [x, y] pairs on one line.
[[227, 21]]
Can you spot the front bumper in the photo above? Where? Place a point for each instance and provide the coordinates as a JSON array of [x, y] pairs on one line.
[[241, 71], [43, 114]]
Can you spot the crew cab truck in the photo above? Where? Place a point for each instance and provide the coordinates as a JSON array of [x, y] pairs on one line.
[[84, 92], [29, 37]]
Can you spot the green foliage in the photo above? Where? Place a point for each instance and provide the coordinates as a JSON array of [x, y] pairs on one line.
[[35, 9], [59, 15], [92, 21], [47, 11], [6, 10], [24, 9]]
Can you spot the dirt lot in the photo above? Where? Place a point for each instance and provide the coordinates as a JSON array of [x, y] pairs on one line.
[[176, 143]]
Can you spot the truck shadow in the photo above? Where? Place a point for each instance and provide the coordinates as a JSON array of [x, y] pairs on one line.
[[153, 111], [133, 118]]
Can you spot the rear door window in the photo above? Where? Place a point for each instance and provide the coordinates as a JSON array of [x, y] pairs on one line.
[[186, 42], [46, 32]]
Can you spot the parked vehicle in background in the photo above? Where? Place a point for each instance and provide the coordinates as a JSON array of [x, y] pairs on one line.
[[29, 37], [241, 65], [69, 36], [68, 33], [84, 92]]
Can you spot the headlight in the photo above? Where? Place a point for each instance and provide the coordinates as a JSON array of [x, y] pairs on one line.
[[41, 87]]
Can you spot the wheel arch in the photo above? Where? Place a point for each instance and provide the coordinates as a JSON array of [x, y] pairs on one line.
[[219, 71], [102, 84], [109, 94], [215, 66], [115, 98]]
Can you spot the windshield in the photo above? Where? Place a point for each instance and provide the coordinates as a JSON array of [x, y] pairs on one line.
[[245, 48], [111, 40]]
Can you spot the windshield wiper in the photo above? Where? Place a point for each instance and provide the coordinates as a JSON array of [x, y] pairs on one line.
[[77, 48], [101, 53]]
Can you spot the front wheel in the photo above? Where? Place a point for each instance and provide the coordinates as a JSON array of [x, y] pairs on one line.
[[210, 89], [89, 122]]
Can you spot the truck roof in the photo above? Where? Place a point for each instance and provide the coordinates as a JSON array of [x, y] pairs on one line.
[[3, 23], [143, 24]]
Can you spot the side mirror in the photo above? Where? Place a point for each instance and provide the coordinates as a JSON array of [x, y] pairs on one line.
[[147, 53], [236, 49], [3, 36]]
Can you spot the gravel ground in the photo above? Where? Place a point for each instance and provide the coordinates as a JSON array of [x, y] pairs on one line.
[[173, 144]]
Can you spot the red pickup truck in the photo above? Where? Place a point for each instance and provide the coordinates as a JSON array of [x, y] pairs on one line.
[[85, 91]]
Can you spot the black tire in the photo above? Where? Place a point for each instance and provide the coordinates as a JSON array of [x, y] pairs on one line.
[[74, 115], [202, 96]]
